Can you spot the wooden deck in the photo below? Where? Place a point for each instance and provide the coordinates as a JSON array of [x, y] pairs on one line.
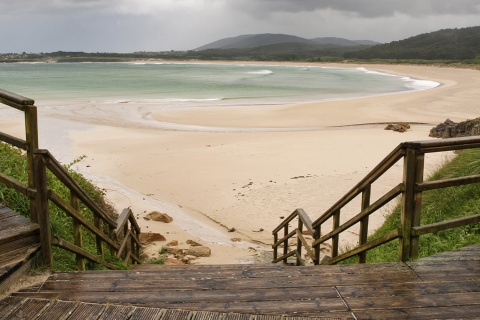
[[19, 242], [446, 286]]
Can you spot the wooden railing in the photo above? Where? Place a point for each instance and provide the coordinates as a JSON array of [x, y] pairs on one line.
[[121, 237], [410, 188]]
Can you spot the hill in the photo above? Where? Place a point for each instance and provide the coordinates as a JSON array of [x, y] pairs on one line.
[[267, 39], [445, 44]]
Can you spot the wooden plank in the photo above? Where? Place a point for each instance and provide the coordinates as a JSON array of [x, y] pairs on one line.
[[7, 96], [29, 309], [6, 212], [166, 297], [297, 307], [10, 221], [8, 306], [416, 301], [61, 243], [87, 311], [176, 315], [18, 232], [444, 225], [218, 284], [462, 312], [198, 272], [58, 310], [117, 313], [146, 313], [69, 210], [408, 288]]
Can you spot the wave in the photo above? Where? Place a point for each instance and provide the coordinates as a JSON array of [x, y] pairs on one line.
[[411, 83], [261, 72], [157, 101], [417, 84]]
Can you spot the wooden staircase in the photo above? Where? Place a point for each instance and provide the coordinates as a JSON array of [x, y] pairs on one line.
[[444, 287], [19, 243]]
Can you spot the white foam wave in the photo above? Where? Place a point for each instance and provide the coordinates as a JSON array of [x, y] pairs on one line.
[[156, 101], [417, 84], [411, 83], [261, 72]]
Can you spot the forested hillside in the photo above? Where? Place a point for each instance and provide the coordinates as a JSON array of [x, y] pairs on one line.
[[446, 44]]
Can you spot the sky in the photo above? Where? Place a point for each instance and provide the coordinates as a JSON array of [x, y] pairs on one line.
[[163, 25]]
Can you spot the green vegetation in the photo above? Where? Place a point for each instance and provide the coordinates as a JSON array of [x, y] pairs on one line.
[[440, 205], [13, 164], [446, 45]]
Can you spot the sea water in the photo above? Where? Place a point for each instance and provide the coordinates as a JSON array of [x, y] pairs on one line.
[[186, 85]]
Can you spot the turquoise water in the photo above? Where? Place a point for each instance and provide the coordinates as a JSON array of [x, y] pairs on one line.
[[180, 85]]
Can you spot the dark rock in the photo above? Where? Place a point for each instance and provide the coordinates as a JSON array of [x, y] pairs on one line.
[[450, 129], [146, 238], [398, 127]]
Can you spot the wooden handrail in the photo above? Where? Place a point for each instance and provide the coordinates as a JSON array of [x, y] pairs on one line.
[[15, 100], [371, 177], [62, 174], [38, 161], [410, 188]]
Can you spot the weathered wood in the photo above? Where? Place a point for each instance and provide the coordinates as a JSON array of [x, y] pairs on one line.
[[77, 231], [17, 186], [453, 182], [335, 237], [59, 242], [285, 256], [389, 196], [123, 245], [43, 212], [305, 244], [69, 210], [392, 235], [59, 171], [14, 141], [408, 203], [444, 225], [10, 97], [370, 178], [363, 234], [285, 238]]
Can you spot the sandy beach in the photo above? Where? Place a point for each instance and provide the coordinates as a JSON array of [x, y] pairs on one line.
[[243, 169]]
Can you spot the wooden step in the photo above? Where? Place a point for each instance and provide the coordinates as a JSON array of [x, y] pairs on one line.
[[42, 309], [19, 243], [415, 290]]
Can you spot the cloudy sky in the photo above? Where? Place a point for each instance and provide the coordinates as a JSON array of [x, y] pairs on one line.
[[158, 25]]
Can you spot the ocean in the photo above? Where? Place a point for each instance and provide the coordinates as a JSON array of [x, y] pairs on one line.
[[186, 85]]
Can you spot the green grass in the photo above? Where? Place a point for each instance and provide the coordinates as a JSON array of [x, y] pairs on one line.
[[440, 205], [13, 164]]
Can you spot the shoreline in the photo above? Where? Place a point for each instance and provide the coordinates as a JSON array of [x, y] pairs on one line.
[[248, 180]]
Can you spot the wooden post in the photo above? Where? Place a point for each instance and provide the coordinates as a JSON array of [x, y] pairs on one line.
[[335, 238], [275, 252], [316, 236], [417, 203], [363, 234], [41, 201], [111, 232], [77, 231], [411, 203], [299, 243], [31, 136], [98, 225], [285, 243]]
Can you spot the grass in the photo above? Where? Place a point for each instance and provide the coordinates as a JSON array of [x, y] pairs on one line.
[[440, 205], [13, 164]]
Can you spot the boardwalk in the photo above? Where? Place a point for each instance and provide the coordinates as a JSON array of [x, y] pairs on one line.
[[447, 286], [19, 241]]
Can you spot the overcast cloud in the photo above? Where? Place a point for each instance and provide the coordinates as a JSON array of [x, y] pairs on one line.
[[157, 25]]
